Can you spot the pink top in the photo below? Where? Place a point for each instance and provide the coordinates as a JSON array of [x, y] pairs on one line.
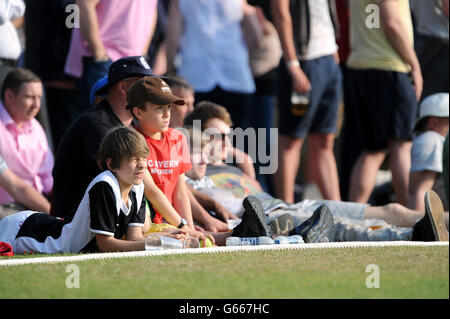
[[26, 152], [124, 28]]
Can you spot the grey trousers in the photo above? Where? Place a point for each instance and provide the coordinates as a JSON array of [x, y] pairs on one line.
[[349, 222]]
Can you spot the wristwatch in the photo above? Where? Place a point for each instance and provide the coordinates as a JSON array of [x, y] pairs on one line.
[[183, 223]]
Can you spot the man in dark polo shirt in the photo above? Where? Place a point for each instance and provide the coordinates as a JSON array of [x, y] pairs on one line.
[[76, 158]]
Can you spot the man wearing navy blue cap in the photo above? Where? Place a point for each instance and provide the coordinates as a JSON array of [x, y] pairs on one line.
[[76, 157]]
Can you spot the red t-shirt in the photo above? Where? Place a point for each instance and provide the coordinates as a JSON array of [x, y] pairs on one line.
[[168, 159]]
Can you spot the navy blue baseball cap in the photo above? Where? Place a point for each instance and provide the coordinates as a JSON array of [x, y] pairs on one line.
[[126, 68]]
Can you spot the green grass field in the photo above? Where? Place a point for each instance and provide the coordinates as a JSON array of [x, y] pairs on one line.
[[404, 272]]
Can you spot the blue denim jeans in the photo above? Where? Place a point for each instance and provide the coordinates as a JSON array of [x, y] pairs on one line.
[[322, 114]]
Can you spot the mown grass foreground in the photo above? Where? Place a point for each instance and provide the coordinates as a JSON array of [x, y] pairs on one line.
[[404, 272]]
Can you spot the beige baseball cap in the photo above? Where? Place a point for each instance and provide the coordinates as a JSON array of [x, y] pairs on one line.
[[151, 89]]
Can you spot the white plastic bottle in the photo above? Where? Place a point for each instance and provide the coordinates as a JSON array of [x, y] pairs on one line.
[[281, 240], [294, 239], [233, 241], [264, 240], [249, 241]]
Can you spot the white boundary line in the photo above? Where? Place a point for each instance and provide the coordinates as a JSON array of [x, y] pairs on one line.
[[211, 250]]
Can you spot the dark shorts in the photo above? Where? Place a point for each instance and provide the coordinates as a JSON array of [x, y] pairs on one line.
[[385, 105], [322, 113]]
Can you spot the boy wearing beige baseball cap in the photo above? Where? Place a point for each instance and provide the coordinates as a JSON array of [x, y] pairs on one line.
[[150, 100]]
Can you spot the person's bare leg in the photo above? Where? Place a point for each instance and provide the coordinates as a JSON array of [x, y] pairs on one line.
[[364, 174], [400, 165], [288, 164], [394, 214], [322, 165]]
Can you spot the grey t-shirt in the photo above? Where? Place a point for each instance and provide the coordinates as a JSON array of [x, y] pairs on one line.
[[426, 152], [426, 155]]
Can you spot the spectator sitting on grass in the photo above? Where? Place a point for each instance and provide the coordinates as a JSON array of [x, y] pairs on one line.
[[199, 160], [232, 154], [23, 142], [353, 221], [111, 214], [150, 100], [113, 206], [79, 145], [426, 153]]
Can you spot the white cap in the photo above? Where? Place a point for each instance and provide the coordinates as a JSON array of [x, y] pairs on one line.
[[434, 105]]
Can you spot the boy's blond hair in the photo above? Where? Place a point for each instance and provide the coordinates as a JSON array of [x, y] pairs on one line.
[[122, 143]]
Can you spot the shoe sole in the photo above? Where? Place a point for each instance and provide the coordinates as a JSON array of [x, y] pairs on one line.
[[283, 224], [322, 227], [435, 211], [252, 205]]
